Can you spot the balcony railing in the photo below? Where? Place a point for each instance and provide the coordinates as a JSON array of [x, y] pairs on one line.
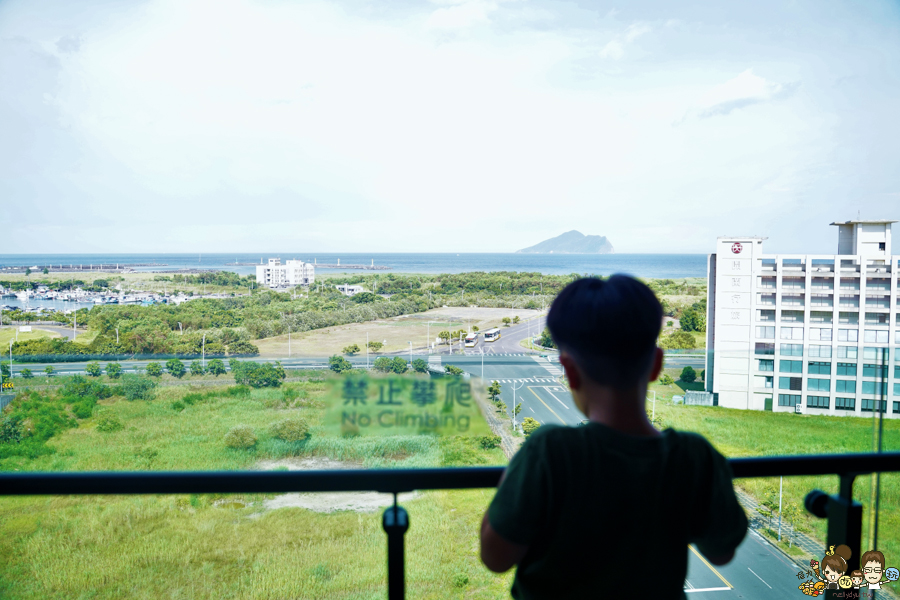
[[843, 513]]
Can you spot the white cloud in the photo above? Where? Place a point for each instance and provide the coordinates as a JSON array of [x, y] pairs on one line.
[[744, 90], [615, 48], [461, 15]]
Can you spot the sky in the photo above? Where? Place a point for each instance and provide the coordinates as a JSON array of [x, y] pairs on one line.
[[443, 125]]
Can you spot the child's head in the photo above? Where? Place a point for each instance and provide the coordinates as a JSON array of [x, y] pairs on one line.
[[857, 577], [609, 328], [872, 563]]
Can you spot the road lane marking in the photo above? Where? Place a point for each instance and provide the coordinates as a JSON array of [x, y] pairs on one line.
[[557, 399], [711, 568], [720, 589], [760, 578], [545, 404]]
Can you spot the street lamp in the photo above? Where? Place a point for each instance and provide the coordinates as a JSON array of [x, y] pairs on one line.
[[514, 403], [203, 352], [482, 362], [410, 353]]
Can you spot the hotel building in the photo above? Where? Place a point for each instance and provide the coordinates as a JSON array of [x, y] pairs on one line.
[[291, 273], [807, 333]]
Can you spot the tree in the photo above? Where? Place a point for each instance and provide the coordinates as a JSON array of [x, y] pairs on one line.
[[154, 369], [242, 348], [529, 425], [365, 298], [26, 374], [197, 368], [136, 387], [93, 369], [506, 321], [216, 367], [339, 364], [688, 374], [475, 328], [5, 370], [258, 375], [665, 379], [444, 336], [175, 368], [45, 271], [501, 405], [545, 340], [453, 370], [677, 340], [703, 375], [516, 411], [383, 364], [49, 370], [113, 370], [494, 391], [27, 272], [351, 349], [516, 320], [399, 365], [374, 346], [420, 366]]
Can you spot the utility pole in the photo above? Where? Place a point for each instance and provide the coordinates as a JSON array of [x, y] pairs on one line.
[[117, 336], [203, 352], [410, 353], [780, 486], [75, 325], [482, 362], [367, 350]]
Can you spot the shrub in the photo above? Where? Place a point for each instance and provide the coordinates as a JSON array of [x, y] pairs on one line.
[[529, 425], [242, 348], [339, 364], [506, 321], [677, 340], [113, 370], [154, 369], [420, 366], [175, 368], [197, 368], [453, 370], [374, 346], [10, 430], [461, 580], [136, 387], [688, 374], [93, 369], [26, 374], [258, 375], [516, 319], [383, 364], [399, 365], [107, 422], [216, 367], [488, 442], [703, 375], [293, 429], [240, 436], [177, 405], [84, 409], [665, 379], [351, 349], [49, 370]]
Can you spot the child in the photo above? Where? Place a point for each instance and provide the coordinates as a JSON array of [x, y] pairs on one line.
[[578, 504]]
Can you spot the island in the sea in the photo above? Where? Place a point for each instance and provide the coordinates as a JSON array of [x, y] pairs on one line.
[[572, 242]]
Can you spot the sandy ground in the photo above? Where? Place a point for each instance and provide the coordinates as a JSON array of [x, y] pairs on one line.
[[326, 502], [396, 331]]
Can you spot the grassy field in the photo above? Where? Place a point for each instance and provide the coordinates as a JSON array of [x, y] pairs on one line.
[[397, 331], [231, 546], [9, 333], [759, 433], [139, 282]]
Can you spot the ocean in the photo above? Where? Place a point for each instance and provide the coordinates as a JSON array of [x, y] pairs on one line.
[[656, 266]]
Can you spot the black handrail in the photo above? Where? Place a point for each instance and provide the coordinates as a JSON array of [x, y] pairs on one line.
[[391, 481]]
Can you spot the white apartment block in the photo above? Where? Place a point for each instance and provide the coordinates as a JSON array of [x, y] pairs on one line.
[[291, 273], [816, 334], [349, 290]]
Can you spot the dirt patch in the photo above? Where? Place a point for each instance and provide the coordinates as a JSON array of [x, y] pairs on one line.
[[326, 502]]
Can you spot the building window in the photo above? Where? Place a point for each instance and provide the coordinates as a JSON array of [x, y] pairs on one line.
[[820, 317], [896, 407], [792, 333], [790, 383], [793, 283], [763, 382], [764, 348], [766, 365], [876, 371], [878, 318], [788, 399], [875, 354], [792, 349], [765, 333], [872, 387], [816, 351], [820, 334], [848, 318], [766, 316], [818, 385], [819, 368], [792, 316], [790, 366], [845, 386], [897, 370], [848, 335], [872, 405], [878, 337], [846, 369], [818, 401], [845, 403], [897, 389], [847, 351]]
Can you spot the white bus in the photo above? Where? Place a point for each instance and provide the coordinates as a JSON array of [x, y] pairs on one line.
[[492, 335], [471, 340]]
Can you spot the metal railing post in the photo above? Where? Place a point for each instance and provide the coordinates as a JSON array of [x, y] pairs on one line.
[[395, 523], [844, 517]]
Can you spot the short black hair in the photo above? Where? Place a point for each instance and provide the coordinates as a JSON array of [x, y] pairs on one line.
[[609, 327]]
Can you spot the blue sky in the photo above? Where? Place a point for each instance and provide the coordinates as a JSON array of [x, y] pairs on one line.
[[446, 125]]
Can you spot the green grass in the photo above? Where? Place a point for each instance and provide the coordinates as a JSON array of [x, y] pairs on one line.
[[190, 547], [9, 333]]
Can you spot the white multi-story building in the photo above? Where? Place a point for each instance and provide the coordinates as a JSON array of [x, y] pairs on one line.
[[289, 274], [349, 290], [818, 332]]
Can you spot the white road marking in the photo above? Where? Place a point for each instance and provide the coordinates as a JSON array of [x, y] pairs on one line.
[[760, 578], [721, 589], [557, 399], [531, 409]]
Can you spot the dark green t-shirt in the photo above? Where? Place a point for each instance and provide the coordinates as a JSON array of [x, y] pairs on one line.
[[602, 510]]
